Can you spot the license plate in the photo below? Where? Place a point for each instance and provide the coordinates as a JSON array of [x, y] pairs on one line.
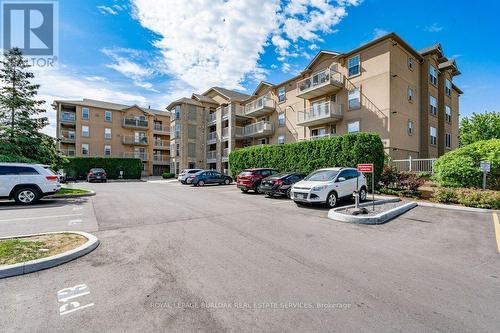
[[98, 177], [301, 195]]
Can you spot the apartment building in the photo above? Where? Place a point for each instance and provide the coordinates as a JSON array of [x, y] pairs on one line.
[[385, 86], [102, 129]]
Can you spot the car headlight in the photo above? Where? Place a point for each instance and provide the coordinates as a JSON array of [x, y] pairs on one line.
[[319, 188]]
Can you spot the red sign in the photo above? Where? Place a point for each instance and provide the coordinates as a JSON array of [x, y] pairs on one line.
[[368, 167]]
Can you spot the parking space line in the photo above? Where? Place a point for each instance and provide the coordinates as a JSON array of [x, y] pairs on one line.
[[496, 223], [39, 217]]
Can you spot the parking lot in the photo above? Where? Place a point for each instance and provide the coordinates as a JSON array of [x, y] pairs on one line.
[[176, 258]]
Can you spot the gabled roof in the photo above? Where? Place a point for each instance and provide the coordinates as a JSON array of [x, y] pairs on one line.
[[450, 64], [318, 55], [261, 85], [203, 99], [436, 48], [229, 94], [183, 100]]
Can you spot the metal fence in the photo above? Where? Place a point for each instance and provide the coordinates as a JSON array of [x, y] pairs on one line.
[[415, 165]]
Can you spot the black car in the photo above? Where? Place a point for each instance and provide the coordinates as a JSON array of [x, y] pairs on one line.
[[209, 177], [280, 184], [97, 175]]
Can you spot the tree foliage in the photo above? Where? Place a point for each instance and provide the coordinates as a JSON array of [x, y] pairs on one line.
[[479, 126], [78, 167]]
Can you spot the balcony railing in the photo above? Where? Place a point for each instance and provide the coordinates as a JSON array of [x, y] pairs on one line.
[[161, 159], [225, 152], [261, 128], [212, 155], [135, 123], [136, 154], [318, 114], [239, 132], [225, 111], [260, 107], [161, 144], [67, 117], [134, 140], [225, 132], [212, 138], [67, 136], [321, 83], [68, 152], [212, 118], [321, 136], [161, 128]]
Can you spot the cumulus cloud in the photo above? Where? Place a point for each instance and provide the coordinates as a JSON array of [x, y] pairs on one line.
[[434, 27], [378, 32]]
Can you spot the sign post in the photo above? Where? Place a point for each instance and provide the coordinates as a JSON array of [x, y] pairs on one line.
[[485, 167], [368, 168]]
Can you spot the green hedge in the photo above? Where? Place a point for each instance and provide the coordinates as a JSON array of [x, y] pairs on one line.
[[306, 156], [78, 167], [460, 167], [167, 175], [15, 159], [468, 197]]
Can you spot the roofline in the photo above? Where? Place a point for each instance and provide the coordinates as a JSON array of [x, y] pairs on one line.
[[317, 56], [459, 91]]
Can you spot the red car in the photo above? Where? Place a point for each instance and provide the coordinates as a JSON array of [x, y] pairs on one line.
[[250, 179]]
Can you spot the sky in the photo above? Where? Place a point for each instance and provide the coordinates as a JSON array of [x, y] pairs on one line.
[[151, 52]]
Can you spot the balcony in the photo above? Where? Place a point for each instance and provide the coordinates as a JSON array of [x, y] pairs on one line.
[[135, 123], [67, 136], [239, 132], [260, 107], [212, 118], [161, 129], [259, 129], [226, 110], [323, 113], [212, 156], [321, 136], [67, 117], [322, 83], [135, 154], [225, 133], [225, 155], [161, 159], [212, 138], [135, 140], [161, 144], [68, 152]]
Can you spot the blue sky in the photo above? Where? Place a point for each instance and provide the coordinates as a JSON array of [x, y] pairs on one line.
[[153, 51]]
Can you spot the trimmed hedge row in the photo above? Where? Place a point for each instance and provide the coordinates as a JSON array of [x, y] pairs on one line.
[[306, 156], [78, 167], [460, 167], [468, 197]]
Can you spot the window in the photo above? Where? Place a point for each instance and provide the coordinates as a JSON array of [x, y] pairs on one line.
[[447, 87], [177, 131], [191, 149], [433, 75], [333, 98], [192, 112], [107, 150], [281, 119], [177, 112], [353, 65], [281, 139], [447, 140], [353, 126], [433, 105], [410, 127], [26, 171], [108, 116], [354, 98], [411, 97], [177, 150], [107, 133], [410, 63], [192, 131], [333, 129], [281, 94], [447, 114], [85, 149], [85, 131], [433, 135], [85, 113], [318, 133]]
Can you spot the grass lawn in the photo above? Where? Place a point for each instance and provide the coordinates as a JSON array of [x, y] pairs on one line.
[[70, 191], [13, 251]]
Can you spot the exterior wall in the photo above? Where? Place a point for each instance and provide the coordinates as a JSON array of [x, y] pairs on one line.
[[427, 150]]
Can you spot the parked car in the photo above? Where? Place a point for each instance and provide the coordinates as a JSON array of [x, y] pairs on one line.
[[328, 185], [250, 179], [209, 177], [281, 183], [186, 173], [27, 183], [97, 175]]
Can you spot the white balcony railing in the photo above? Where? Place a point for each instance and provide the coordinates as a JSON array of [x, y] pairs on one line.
[[319, 114], [260, 106], [225, 152], [261, 128], [225, 132], [322, 136], [225, 111], [163, 144], [161, 158], [328, 78], [68, 116], [68, 152], [212, 137], [239, 131], [161, 128], [68, 136], [135, 154], [212, 118], [134, 140], [212, 155], [138, 123]]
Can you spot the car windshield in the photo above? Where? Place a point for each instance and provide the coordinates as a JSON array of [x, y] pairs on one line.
[[197, 173], [281, 175], [322, 175], [194, 171], [96, 170]]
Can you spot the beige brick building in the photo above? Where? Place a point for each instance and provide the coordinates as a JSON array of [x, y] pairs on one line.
[[102, 129]]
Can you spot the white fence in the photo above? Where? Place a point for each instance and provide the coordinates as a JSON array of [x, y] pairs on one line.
[[415, 165]]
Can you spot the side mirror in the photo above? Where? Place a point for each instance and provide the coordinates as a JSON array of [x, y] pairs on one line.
[[340, 179]]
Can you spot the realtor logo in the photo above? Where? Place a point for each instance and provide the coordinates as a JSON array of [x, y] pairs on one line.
[[31, 26]]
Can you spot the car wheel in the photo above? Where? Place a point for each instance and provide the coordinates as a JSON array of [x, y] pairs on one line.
[[26, 196], [362, 194], [289, 193], [227, 182], [259, 190], [201, 183], [331, 200], [244, 190], [299, 203]]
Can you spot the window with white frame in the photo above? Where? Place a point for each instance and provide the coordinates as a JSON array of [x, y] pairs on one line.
[[447, 140], [107, 150], [107, 133], [85, 131], [177, 131], [281, 119], [411, 128], [108, 116], [85, 113], [281, 94], [85, 149], [447, 87], [433, 135], [433, 75], [433, 105], [410, 63], [354, 98], [447, 113], [354, 65], [318, 133], [353, 126], [177, 112], [410, 94], [281, 139]]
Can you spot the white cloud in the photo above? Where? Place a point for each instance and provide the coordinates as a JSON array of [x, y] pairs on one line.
[[107, 10], [434, 27], [377, 33]]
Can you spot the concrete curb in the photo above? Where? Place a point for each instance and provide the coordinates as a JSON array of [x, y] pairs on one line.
[[39, 264], [69, 196], [375, 219]]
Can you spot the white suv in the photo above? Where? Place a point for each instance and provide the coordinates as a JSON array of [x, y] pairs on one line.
[[328, 185], [27, 183]]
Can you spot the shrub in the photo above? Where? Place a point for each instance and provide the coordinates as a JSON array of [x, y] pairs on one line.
[[167, 175], [468, 197], [306, 156], [15, 159], [460, 167], [78, 167], [389, 176], [410, 181]]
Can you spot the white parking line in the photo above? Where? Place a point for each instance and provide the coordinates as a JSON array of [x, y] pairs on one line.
[[39, 217]]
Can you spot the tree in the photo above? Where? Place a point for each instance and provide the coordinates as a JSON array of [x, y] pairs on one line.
[[21, 115], [480, 126]]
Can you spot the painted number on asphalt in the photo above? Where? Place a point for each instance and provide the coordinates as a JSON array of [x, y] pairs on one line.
[[68, 297]]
